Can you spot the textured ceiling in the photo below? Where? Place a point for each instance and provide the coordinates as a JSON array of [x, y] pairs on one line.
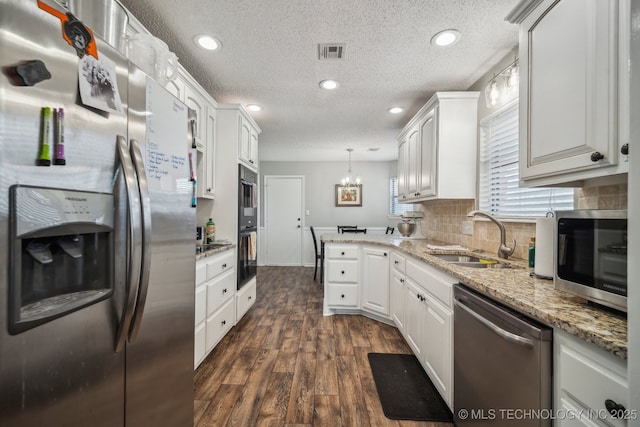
[[270, 57]]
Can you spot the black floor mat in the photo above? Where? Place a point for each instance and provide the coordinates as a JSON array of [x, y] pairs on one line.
[[405, 390]]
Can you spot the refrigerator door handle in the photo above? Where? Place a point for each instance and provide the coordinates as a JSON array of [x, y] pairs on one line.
[[134, 236], [143, 186]]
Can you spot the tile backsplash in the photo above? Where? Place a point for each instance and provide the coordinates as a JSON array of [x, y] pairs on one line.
[[444, 220]]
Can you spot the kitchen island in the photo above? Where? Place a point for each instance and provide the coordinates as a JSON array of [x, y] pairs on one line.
[[515, 287]]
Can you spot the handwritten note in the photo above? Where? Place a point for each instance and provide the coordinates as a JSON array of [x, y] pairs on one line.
[[166, 158]]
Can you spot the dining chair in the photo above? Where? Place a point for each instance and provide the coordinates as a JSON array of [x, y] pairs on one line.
[[390, 230], [354, 230], [341, 228], [318, 255]]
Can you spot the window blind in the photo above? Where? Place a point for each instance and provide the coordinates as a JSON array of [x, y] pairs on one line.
[[499, 192], [395, 208]]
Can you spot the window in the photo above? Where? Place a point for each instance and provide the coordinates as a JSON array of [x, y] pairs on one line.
[[395, 208], [499, 192]]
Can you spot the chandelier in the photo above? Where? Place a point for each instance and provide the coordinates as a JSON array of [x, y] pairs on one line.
[[349, 180]]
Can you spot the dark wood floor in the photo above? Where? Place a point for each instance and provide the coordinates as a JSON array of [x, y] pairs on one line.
[[285, 364]]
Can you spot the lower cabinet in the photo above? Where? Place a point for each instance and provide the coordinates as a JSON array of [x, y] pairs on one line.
[[590, 385], [245, 298], [375, 280], [397, 289], [214, 302], [428, 322]]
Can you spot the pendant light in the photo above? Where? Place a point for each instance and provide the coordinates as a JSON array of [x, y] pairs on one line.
[[349, 180]]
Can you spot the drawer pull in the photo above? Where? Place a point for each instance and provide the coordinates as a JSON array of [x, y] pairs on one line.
[[224, 291], [385, 254], [401, 280], [615, 409], [342, 296], [396, 262], [249, 298], [224, 322], [224, 265], [341, 253], [342, 272]]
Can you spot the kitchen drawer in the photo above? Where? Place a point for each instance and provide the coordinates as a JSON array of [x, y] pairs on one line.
[[219, 324], [220, 290], [342, 251], [342, 271], [201, 272], [201, 304], [398, 261], [342, 295], [588, 376], [245, 298], [439, 284], [220, 263], [199, 344]]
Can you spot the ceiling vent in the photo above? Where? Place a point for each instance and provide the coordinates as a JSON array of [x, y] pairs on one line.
[[331, 51]]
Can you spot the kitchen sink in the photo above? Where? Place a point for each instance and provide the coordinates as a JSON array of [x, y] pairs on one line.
[[471, 261]]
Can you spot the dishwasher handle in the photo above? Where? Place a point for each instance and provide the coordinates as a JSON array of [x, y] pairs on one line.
[[509, 336]]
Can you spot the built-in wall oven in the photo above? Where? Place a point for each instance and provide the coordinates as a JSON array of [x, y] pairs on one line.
[[247, 225]]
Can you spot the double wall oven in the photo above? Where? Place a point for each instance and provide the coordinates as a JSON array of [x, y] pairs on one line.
[[247, 225]]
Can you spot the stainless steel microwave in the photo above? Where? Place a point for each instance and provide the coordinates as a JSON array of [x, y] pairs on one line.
[[590, 253]]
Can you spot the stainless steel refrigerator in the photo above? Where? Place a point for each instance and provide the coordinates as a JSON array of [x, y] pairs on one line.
[[96, 230]]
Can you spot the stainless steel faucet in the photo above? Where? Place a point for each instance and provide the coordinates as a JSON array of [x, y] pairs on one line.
[[503, 251]]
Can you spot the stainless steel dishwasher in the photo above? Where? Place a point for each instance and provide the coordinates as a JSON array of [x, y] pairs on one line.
[[502, 364]]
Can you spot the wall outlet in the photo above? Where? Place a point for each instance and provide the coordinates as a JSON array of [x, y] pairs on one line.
[[467, 228]]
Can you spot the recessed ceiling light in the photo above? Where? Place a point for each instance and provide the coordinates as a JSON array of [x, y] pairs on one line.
[[395, 110], [208, 42], [329, 84], [254, 107], [445, 38]]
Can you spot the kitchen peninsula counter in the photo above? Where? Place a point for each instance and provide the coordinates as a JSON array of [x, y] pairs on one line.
[[514, 287]]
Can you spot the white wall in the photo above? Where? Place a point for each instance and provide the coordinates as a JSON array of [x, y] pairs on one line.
[[320, 181]]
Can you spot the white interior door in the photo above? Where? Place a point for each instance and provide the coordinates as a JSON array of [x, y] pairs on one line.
[[283, 219]]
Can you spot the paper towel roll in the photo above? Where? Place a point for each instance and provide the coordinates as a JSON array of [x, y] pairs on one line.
[[544, 247]]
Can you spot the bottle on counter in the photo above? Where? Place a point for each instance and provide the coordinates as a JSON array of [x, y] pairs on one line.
[[532, 252], [211, 231]]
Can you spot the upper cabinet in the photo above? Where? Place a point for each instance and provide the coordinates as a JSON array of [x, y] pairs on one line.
[[248, 144], [574, 103], [202, 121], [437, 149]]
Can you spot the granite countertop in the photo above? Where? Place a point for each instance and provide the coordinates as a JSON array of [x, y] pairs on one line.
[[221, 247], [514, 287]]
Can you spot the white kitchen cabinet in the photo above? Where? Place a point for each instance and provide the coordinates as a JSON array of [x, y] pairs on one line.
[[397, 290], [214, 301], [429, 323], [413, 317], [248, 144], [440, 144], [585, 378], [437, 328], [245, 298], [403, 169], [375, 280], [206, 159], [573, 91], [176, 87], [341, 276], [194, 100]]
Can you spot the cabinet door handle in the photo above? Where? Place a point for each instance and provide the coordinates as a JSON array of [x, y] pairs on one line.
[[298, 225], [342, 296], [596, 156], [385, 254], [624, 149], [342, 272], [224, 322], [401, 280], [224, 265], [615, 409], [224, 291], [249, 298], [341, 253], [396, 262]]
